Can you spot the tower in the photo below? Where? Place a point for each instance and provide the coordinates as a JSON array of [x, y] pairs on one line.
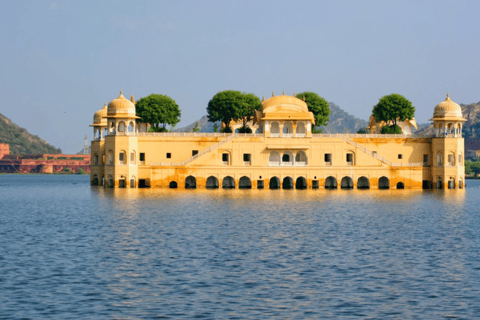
[[448, 148]]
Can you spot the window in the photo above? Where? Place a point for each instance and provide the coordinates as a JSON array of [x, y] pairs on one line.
[[169, 155], [328, 158], [142, 158], [459, 159], [110, 157], [95, 157], [132, 158], [439, 159], [247, 157], [225, 158], [425, 160], [286, 158], [451, 160], [400, 156], [121, 157], [349, 158], [374, 153], [194, 152]]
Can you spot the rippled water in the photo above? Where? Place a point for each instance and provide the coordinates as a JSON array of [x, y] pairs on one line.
[[71, 251]]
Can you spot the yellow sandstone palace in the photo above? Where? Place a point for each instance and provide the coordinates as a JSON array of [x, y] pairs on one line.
[[281, 153]]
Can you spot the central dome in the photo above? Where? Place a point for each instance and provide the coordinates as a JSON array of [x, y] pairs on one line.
[[121, 106], [284, 104], [447, 109]]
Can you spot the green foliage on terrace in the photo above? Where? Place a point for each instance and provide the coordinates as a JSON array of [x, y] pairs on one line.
[[21, 141], [319, 107], [391, 130], [393, 107]]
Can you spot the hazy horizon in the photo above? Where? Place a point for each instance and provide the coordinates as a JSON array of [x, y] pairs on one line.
[[59, 62]]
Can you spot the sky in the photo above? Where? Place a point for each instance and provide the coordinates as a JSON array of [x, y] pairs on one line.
[[61, 60]]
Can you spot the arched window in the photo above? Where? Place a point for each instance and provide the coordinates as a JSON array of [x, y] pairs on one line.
[[439, 159], [110, 157], [173, 185], [95, 180], [122, 157], [287, 129], [301, 159], [95, 159], [300, 132], [274, 159], [400, 185], [275, 130], [451, 159], [131, 127], [287, 159], [451, 183], [133, 157], [121, 126], [460, 159]]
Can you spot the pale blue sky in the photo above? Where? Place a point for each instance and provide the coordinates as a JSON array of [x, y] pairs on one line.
[[60, 60]]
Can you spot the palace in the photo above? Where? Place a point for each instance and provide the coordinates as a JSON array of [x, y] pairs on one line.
[[281, 153]]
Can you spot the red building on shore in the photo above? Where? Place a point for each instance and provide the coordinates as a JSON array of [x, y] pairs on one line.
[[42, 163]]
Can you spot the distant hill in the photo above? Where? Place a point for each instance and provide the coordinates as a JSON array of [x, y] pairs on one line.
[[21, 141], [471, 128], [340, 122]]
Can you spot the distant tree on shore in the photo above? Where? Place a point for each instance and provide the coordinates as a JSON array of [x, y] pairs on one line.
[[230, 105], [319, 107], [158, 110], [393, 108]]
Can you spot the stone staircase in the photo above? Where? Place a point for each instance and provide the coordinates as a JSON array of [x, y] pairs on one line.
[[371, 153], [198, 155]]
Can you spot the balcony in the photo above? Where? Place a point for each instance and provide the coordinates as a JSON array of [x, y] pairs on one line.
[[300, 135], [287, 135], [274, 135]]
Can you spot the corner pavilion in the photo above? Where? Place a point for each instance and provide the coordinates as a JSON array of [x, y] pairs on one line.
[[281, 153]]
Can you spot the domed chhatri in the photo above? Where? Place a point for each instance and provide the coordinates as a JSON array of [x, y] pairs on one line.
[[121, 106], [447, 109], [100, 117], [447, 119]]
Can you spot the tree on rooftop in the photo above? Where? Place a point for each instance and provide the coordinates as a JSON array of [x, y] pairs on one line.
[[158, 110], [393, 108], [319, 107], [230, 105]]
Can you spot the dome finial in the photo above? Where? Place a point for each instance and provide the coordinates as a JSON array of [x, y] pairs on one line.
[[273, 93], [263, 98], [283, 92], [294, 94], [448, 97], [121, 91]]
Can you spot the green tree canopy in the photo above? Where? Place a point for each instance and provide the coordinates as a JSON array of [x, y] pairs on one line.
[[158, 110], [393, 107], [318, 106], [231, 105]]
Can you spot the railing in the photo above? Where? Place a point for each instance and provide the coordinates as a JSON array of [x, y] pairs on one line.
[[358, 135], [198, 134], [374, 154], [247, 163], [274, 135], [98, 139], [287, 135], [300, 135], [179, 164]]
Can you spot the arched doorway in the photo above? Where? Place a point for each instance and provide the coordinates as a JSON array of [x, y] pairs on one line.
[[347, 183], [383, 183], [400, 185], [331, 183], [274, 183], [301, 183], [190, 182], [244, 183], [451, 183], [228, 183], [212, 182], [287, 183], [95, 180], [363, 183], [173, 185]]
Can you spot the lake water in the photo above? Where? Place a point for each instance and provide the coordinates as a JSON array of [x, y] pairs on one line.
[[71, 251]]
